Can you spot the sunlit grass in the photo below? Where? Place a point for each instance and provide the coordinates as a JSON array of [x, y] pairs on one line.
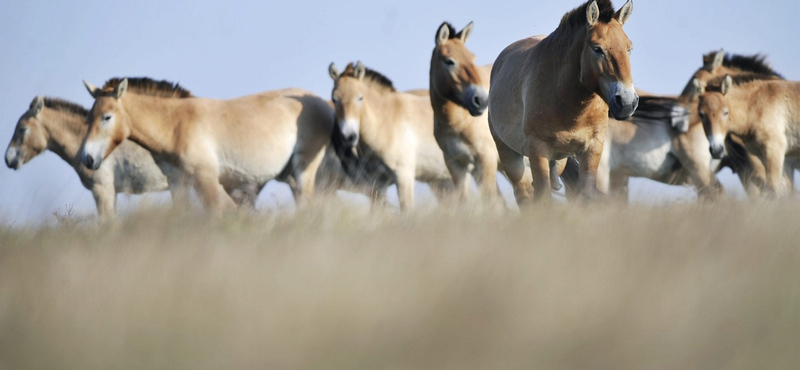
[[341, 287]]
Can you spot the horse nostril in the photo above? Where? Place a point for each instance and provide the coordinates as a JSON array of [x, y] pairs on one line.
[[476, 100], [618, 101], [351, 138], [88, 161]]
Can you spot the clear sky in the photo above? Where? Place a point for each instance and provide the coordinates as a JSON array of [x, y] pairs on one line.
[[228, 49]]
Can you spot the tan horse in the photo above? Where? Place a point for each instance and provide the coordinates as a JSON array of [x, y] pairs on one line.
[[551, 97], [60, 126], [232, 146], [692, 145], [397, 127], [459, 97], [764, 113]]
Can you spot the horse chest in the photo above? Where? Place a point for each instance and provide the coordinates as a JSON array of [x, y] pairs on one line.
[[566, 143]]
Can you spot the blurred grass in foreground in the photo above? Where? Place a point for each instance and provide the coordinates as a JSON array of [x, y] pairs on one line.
[[333, 287]]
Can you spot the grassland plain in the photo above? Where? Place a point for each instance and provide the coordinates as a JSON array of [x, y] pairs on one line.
[[687, 286]]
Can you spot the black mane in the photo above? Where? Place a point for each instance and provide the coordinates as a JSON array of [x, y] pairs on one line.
[[149, 86], [577, 17]]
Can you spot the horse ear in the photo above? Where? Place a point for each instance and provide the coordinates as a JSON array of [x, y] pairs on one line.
[[443, 34], [121, 89], [592, 13], [624, 13], [699, 89], [360, 71], [466, 32], [36, 106], [727, 83], [93, 90], [333, 71], [718, 59]]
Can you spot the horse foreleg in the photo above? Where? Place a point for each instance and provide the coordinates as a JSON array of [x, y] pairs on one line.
[[405, 189], [589, 163], [773, 158], [105, 198], [459, 169], [206, 183], [305, 173], [513, 166]]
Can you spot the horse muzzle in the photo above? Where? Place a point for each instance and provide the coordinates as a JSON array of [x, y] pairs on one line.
[[716, 148], [12, 159], [476, 100], [624, 102]]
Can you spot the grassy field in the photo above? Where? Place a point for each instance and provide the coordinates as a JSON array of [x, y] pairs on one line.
[[335, 287]]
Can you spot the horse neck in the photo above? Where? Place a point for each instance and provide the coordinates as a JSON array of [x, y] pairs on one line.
[[65, 133], [570, 94], [739, 109], [378, 115], [444, 109], [152, 122]]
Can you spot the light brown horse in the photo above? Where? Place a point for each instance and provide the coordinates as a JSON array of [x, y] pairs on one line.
[[459, 97], [397, 127], [232, 146], [692, 144], [764, 113], [60, 126], [551, 97]]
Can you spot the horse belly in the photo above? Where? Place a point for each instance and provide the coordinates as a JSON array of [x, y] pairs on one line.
[[652, 163]]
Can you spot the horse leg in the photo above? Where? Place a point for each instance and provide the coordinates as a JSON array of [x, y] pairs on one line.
[[305, 173], [589, 163], [405, 188], [773, 158], [443, 190], [691, 149], [458, 168], [105, 198], [619, 186], [513, 166], [206, 183], [485, 172]]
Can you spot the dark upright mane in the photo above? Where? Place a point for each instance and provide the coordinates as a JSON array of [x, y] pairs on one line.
[[63, 106], [370, 75], [715, 84], [750, 63], [577, 17], [149, 86]]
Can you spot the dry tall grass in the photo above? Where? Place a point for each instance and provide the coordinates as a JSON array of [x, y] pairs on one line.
[[682, 287]]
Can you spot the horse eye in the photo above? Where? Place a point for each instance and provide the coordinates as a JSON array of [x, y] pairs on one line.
[[701, 114], [725, 112], [107, 117], [598, 50], [361, 98], [450, 62], [335, 101], [22, 130]]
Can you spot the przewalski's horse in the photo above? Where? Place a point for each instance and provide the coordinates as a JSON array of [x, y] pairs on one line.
[[692, 145], [551, 97], [764, 113], [642, 146], [459, 93], [232, 146], [60, 126], [397, 127]]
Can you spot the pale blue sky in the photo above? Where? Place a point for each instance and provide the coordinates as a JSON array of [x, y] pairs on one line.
[[229, 49]]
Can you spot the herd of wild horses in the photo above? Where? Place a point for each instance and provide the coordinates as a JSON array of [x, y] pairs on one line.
[[563, 106]]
